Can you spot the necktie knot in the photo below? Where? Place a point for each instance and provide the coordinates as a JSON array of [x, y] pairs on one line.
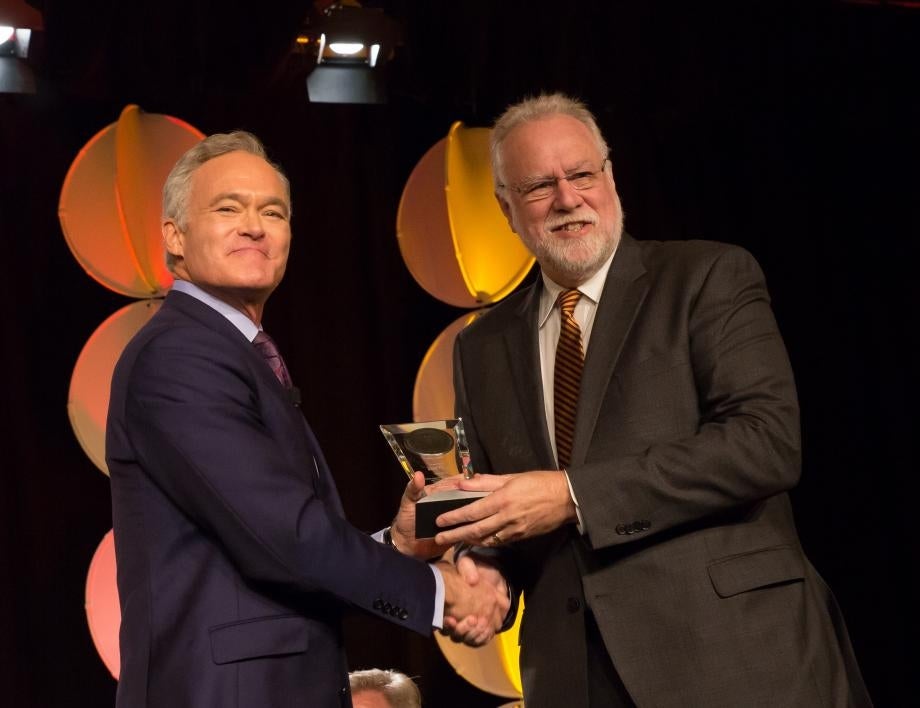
[[269, 351], [568, 299]]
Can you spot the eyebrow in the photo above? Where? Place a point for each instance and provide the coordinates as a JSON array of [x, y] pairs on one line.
[[534, 179], [237, 197]]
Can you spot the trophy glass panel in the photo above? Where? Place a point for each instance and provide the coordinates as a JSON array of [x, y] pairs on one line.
[[438, 449]]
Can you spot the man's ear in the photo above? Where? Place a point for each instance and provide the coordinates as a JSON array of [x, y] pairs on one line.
[[505, 207], [173, 239]]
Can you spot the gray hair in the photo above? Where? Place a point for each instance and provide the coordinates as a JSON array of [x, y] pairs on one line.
[[535, 108], [179, 181], [399, 690]]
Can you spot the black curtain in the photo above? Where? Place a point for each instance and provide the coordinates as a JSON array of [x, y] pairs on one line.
[[789, 129]]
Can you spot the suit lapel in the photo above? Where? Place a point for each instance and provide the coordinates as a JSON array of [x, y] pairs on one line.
[[623, 294], [317, 470], [523, 348]]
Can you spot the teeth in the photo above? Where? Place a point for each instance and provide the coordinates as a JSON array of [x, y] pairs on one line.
[[571, 226]]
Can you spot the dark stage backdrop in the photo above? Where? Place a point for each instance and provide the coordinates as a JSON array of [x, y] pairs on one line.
[[788, 128]]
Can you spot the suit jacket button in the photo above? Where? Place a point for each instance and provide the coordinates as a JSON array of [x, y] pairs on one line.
[[404, 614], [621, 530], [378, 604], [387, 607], [646, 524], [573, 604]]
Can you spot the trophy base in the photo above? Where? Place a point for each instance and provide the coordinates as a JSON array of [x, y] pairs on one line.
[[429, 508]]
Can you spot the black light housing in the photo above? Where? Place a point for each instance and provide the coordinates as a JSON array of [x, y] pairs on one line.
[[353, 45], [15, 73], [18, 20]]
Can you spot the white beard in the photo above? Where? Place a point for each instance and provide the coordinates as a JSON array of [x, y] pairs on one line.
[[575, 260]]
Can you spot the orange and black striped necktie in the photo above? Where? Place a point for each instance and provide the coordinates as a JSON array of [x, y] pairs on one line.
[[570, 360]]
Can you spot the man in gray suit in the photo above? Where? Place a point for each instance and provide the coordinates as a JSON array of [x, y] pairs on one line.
[[643, 504]]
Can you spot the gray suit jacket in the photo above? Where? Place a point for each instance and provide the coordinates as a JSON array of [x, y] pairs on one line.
[[686, 443]]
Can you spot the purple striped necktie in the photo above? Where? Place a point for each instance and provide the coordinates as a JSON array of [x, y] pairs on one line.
[[567, 376], [269, 350]]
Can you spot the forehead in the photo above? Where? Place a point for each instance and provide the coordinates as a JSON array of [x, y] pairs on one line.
[[547, 144], [236, 172], [369, 699]]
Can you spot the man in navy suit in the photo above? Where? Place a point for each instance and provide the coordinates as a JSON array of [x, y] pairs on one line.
[[234, 558]]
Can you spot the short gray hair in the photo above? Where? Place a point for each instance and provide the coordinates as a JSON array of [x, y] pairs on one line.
[[534, 108], [399, 690], [179, 181]]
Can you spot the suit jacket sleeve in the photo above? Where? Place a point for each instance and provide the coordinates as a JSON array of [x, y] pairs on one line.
[[703, 425], [696, 411], [235, 462]]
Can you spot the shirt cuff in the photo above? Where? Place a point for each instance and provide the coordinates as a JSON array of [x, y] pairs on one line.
[[437, 621], [580, 523]]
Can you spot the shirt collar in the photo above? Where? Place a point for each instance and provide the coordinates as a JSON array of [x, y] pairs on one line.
[[592, 288], [237, 318]]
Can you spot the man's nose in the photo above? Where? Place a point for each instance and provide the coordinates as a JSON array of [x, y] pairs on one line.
[[251, 224], [565, 196]]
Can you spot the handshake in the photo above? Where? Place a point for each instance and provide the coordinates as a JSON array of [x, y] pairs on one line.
[[476, 596]]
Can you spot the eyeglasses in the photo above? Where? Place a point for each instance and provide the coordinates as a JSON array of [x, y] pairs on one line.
[[542, 188]]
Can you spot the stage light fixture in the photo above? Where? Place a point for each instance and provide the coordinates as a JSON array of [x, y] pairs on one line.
[[15, 74], [352, 45], [17, 20]]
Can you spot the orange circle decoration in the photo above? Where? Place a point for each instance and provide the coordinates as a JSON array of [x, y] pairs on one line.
[[433, 397], [452, 234], [103, 613], [88, 399], [110, 201]]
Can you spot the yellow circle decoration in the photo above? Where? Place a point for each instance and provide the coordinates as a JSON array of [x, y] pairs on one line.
[[433, 397], [493, 668], [491, 257], [452, 234]]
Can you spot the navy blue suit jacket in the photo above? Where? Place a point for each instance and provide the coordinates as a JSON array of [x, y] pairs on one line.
[[234, 558]]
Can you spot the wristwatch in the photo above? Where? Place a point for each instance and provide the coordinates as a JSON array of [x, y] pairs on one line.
[[388, 539]]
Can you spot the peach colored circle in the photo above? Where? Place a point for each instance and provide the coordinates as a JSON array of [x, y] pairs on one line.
[[103, 613], [88, 398]]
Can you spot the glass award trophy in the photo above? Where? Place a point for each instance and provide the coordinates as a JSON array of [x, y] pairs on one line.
[[438, 449]]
